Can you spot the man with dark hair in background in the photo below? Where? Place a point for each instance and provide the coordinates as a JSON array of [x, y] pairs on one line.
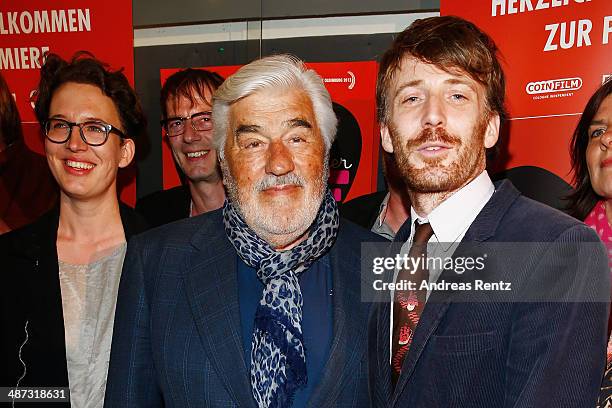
[[186, 103], [440, 95]]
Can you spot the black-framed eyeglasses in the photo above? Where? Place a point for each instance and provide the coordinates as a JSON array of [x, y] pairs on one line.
[[94, 133], [200, 122]]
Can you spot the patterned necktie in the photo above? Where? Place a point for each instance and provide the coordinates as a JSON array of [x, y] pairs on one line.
[[409, 304]]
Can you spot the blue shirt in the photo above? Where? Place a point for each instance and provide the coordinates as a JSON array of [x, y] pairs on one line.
[[317, 318]]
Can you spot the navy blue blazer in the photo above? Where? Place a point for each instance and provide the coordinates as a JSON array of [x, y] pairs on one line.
[[177, 338], [505, 354]]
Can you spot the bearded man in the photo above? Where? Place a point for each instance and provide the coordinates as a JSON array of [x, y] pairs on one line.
[[539, 339], [256, 304]]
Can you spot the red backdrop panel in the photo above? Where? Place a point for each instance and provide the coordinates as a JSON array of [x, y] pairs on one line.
[[351, 85], [554, 59], [28, 29]]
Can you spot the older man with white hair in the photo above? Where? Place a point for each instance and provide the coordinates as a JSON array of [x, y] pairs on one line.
[[256, 304]]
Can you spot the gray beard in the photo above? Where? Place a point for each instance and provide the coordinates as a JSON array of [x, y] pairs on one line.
[[265, 221]]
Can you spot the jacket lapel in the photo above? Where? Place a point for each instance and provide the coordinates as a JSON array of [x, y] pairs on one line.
[[212, 292], [432, 314], [380, 369], [482, 229], [349, 315], [46, 318]]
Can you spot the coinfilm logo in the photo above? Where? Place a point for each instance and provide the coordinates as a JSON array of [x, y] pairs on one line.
[[554, 85]]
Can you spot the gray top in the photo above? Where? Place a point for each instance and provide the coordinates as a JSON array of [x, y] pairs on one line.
[[89, 296]]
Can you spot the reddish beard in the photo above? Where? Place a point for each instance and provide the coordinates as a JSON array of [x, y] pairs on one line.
[[434, 135], [436, 177]]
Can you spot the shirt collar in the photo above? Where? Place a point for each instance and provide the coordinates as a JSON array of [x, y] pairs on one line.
[[382, 210], [451, 219]]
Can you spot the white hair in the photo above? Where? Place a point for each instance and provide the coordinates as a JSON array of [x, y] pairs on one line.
[[273, 72]]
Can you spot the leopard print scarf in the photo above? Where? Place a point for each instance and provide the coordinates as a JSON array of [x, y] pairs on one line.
[[278, 361]]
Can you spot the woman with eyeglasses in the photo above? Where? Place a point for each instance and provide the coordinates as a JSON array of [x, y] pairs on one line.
[[61, 273], [591, 153]]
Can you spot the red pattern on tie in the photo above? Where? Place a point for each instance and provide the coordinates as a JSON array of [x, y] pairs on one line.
[[409, 304]]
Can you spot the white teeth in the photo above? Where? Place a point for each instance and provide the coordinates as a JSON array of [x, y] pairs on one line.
[[432, 148], [79, 165], [197, 154]]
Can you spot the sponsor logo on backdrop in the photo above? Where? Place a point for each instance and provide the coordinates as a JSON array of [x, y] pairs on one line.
[[554, 85], [350, 80], [553, 88]]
